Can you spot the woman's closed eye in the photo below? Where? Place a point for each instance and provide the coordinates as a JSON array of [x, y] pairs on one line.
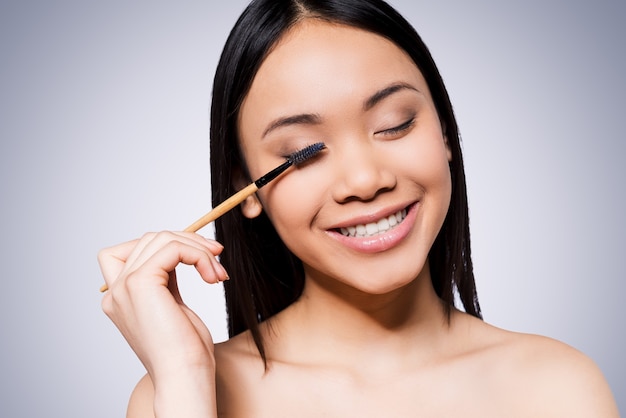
[[289, 152], [397, 130]]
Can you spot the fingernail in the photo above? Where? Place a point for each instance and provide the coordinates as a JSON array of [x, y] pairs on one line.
[[213, 242], [224, 274]]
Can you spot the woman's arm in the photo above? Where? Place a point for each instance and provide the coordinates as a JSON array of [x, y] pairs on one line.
[[171, 341]]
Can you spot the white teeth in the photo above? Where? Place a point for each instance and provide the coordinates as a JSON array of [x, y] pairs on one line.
[[374, 228]]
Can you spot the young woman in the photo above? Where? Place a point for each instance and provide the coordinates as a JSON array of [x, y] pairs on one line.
[[344, 271]]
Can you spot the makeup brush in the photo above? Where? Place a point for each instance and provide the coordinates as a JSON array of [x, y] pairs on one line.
[[295, 158]]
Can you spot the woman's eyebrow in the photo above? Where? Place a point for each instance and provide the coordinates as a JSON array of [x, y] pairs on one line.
[[382, 94], [302, 119], [316, 119]]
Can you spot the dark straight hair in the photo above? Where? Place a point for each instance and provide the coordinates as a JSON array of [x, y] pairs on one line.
[[266, 276]]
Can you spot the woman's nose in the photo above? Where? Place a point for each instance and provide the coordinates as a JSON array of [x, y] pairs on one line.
[[363, 173]]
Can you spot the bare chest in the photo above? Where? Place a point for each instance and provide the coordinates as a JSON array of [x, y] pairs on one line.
[[324, 393]]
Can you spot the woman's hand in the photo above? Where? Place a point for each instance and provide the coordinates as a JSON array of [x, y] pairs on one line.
[[143, 301]]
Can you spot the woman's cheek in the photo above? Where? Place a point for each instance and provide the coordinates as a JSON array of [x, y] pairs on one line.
[[292, 198]]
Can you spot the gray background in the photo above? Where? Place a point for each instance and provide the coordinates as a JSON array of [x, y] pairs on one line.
[[104, 120]]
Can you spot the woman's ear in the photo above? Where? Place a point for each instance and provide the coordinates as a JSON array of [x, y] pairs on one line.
[[251, 207]]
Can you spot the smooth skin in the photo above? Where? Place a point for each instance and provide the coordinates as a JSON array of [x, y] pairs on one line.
[[369, 337]]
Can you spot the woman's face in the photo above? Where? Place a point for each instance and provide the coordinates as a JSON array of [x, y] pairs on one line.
[[365, 212]]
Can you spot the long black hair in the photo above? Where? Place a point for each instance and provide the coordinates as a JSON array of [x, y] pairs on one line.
[[266, 276]]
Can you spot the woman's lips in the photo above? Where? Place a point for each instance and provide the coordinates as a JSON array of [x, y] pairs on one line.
[[380, 235]]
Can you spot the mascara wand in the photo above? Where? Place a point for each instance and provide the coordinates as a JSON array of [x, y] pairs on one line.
[[296, 158]]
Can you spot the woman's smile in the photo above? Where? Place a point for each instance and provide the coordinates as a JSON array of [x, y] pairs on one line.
[[376, 235]]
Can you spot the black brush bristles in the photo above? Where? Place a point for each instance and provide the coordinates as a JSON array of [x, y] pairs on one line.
[[296, 158], [307, 153]]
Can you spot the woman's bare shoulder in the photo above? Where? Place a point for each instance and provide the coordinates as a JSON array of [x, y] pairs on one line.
[[239, 374], [238, 352], [548, 375], [141, 404]]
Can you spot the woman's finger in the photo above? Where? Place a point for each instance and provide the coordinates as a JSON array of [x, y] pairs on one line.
[[153, 242], [112, 260], [154, 266]]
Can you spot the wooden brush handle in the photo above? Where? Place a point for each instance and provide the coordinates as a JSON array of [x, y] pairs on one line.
[[223, 207], [215, 213]]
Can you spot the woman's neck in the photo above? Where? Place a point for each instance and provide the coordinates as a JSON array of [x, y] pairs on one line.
[[336, 323]]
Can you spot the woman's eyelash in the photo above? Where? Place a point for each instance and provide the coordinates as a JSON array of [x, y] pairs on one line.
[[288, 155], [400, 128], [391, 131]]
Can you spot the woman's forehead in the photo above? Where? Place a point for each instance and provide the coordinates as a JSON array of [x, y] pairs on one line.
[[317, 47], [317, 62]]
